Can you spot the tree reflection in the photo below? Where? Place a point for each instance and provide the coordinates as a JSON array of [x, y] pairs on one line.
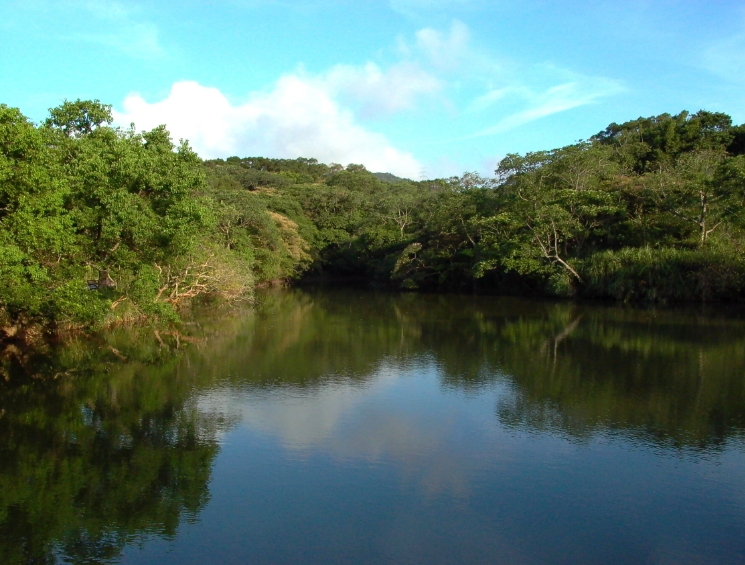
[[673, 376], [91, 462], [105, 443], [667, 377]]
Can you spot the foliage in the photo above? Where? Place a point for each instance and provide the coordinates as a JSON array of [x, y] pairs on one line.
[[552, 222], [83, 204]]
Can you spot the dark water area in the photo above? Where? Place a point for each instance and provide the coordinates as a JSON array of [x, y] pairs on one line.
[[345, 426]]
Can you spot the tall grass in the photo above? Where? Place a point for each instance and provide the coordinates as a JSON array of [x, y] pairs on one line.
[[664, 275]]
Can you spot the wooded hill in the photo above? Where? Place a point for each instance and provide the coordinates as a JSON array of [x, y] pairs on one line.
[[100, 224]]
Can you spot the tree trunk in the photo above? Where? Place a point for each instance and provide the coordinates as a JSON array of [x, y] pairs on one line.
[[105, 280]]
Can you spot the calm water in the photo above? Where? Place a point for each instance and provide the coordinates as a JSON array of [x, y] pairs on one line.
[[353, 427]]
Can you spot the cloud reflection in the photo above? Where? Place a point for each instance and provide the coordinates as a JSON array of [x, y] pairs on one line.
[[395, 418]]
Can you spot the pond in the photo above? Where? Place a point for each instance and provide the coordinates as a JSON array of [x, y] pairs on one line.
[[347, 426]]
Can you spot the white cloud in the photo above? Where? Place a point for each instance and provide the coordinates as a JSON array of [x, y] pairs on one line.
[[449, 52], [302, 115], [552, 101], [446, 51], [297, 118], [507, 92], [379, 92], [492, 97], [322, 115]]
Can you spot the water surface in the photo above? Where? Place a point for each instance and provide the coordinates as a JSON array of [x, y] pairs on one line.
[[354, 427]]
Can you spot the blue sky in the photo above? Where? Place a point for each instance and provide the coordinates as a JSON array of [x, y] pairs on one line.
[[415, 87]]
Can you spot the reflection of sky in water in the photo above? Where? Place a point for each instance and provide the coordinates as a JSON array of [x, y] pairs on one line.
[[401, 469], [397, 417]]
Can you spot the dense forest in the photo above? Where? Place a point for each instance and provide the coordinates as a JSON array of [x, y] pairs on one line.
[[101, 224]]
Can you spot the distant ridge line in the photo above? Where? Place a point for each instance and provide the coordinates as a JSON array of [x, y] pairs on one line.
[[388, 177]]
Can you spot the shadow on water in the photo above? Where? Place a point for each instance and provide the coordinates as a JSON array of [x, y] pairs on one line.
[[103, 442]]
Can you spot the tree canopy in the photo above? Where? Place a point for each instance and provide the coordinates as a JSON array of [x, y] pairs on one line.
[[100, 224]]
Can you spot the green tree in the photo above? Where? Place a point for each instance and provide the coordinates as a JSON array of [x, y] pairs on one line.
[[691, 191], [561, 207], [80, 117]]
